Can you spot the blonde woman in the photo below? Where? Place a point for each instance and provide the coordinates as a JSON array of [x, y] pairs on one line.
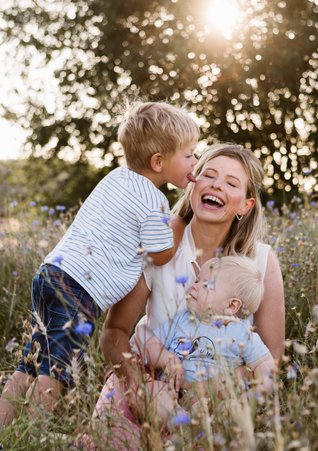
[[224, 214]]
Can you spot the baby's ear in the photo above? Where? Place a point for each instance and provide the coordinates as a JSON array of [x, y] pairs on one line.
[[156, 162], [233, 307]]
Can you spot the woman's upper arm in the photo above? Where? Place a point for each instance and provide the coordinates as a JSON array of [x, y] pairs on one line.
[[270, 317]]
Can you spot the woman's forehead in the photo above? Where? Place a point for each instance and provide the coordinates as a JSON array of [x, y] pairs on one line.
[[227, 165]]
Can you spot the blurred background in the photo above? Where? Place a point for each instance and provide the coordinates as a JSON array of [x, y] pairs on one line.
[[245, 69]]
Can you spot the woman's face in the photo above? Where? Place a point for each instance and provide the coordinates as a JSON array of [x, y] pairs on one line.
[[220, 191]]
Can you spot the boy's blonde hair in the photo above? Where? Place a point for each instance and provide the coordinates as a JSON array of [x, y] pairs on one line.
[[244, 280], [243, 235], [151, 127]]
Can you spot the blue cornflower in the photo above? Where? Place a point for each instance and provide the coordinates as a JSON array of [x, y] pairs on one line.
[[165, 220], [200, 435], [270, 204], [292, 371], [32, 203], [15, 274], [110, 394], [182, 279], [13, 204], [44, 208], [60, 207], [57, 222], [217, 323], [181, 418], [295, 265], [84, 329], [57, 260], [51, 211]]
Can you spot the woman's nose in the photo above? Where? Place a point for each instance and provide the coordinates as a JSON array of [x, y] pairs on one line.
[[217, 183]]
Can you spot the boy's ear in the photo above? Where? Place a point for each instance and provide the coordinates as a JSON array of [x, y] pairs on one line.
[[233, 307], [156, 162]]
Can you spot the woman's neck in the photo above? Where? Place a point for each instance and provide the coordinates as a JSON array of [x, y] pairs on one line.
[[207, 238]]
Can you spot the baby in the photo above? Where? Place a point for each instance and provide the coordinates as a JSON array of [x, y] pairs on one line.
[[214, 333]]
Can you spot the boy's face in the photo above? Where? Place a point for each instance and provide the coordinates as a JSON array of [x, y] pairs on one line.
[[177, 167], [213, 295]]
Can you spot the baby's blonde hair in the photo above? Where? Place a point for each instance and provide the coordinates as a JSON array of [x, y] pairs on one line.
[[243, 277], [151, 127]]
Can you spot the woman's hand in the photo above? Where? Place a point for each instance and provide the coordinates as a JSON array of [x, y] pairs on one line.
[[174, 373]]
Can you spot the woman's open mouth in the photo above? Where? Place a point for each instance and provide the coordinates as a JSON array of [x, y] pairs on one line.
[[212, 201]]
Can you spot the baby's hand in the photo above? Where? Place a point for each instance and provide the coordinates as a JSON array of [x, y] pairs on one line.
[[174, 373]]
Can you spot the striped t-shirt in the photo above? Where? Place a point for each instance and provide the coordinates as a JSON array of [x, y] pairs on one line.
[[101, 248]]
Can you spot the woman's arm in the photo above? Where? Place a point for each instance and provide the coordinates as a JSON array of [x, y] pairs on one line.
[[270, 317], [264, 370], [117, 328]]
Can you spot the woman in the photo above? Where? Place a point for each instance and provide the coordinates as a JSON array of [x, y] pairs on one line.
[[224, 212]]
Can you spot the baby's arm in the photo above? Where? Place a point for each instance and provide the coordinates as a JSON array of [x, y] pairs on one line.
[[177, 225], [264, 370], [159, 357]]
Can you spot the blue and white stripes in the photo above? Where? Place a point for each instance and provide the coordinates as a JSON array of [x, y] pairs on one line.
[[99, 250]]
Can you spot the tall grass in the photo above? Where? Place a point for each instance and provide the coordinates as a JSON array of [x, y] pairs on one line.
[[288, 419]]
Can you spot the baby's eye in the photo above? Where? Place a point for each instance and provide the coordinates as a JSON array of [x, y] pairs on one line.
[[209, 284]]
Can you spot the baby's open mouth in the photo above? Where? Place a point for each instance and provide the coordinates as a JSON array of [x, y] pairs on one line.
[[212, 200]]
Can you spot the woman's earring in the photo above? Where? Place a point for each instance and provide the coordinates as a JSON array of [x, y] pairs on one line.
[[239, 217]]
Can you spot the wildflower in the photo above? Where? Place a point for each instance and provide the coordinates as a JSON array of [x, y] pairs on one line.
[[181, 418], [34, 223], [217, 323], [32, 203], [57, 222], [307, 171], [270, 204], [110, 394], [15, 274], [13, 204], [292, 371], [182, 279], [44, 208], [60, 207], [165, 219], [87, 275], [84, 329], [11, 345], [57, 260], [51, 211], [295, 265], [200, 435]]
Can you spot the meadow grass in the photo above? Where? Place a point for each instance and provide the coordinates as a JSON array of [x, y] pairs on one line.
[[287, 419]]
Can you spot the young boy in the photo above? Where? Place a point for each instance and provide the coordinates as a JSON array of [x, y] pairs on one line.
[[213, 334], [100, 258]]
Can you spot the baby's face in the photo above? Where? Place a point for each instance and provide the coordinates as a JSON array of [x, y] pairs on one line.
[[213, 295]]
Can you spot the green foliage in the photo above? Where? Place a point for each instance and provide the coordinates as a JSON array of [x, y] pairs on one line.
[[286, 420], [256, 87]]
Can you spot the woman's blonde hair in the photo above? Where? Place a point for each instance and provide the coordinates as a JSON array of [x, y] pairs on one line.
[[244, 280], [151, 127], [243, 234]]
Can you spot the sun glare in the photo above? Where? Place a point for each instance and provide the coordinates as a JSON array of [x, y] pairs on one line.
[[222, 15]]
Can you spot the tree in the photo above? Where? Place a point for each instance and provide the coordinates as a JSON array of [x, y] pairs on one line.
[[255, 85]]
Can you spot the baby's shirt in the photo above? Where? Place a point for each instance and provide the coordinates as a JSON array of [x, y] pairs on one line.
[[124, 216], [206, 349]]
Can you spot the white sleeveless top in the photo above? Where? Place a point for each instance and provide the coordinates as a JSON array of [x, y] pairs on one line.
[[167, 296]]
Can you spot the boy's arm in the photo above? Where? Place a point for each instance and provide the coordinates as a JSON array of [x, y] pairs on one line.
[[264, 370], [177, 225]]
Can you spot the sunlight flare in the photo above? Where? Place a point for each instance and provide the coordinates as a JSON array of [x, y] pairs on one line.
[[223, 16]]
